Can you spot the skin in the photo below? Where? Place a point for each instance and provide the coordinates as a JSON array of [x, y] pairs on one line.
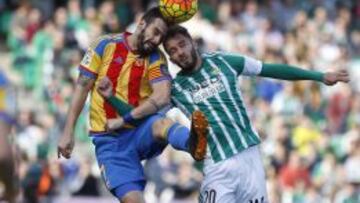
[[143, 41]]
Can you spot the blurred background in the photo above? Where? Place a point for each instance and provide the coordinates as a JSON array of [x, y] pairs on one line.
[[311, 133]]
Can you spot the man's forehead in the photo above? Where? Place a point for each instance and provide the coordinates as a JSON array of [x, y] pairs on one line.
[[159, 23], [179, 37], [175, 40]]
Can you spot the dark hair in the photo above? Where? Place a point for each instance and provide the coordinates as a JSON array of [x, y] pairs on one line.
[[152, 14], [176, 30]]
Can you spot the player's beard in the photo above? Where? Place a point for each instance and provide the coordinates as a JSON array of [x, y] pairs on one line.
[[144, 48], [190, 63]]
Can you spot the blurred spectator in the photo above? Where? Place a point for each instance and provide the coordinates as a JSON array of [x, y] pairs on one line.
[[294, 174]]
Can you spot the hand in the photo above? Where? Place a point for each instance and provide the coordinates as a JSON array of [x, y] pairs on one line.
[[331, 78], [105, 87], [114, 124], [66, 145]]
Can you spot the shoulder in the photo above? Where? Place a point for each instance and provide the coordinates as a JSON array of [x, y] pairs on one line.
[[156, 56], [180, 79], [103, 41], [210, 55]]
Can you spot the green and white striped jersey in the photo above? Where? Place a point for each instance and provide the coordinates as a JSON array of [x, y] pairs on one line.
[[213, 89]]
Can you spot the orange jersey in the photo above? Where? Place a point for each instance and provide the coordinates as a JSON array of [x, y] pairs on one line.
[[130, 74]]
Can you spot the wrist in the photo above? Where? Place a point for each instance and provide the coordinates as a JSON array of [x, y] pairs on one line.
[[112, 100], [110, 97], [320, 77], [128, 118]]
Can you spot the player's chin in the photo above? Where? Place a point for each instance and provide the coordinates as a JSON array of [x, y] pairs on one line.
[[150, 46], [146, 50], [186, 66]]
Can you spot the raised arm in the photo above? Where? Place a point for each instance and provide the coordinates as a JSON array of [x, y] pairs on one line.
[[157, 100], [244, 65], [287, 72]]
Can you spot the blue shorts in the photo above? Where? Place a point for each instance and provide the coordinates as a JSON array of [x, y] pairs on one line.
[[119, 156]]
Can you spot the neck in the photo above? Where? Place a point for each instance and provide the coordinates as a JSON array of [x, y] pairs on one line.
[[198, 61], [197, 66]]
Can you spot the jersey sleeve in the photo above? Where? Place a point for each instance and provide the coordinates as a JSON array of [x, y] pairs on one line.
[[243, 65], [158, 68], [91, 62]]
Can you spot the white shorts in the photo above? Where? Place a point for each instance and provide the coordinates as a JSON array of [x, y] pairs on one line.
[[238, 179]]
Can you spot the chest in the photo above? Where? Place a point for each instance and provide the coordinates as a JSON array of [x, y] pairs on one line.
[[126, 67], [210, 82]]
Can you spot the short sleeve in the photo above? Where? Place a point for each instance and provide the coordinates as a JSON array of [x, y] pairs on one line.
[[243, 65], [91, 62], [251, 66], [158, 68]]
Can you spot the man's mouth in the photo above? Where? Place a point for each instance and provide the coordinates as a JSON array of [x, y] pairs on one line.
[[149, 45]]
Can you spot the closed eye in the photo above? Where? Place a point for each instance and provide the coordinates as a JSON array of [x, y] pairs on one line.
[[182, 43]]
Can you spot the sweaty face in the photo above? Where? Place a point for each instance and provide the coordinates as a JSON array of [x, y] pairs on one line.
[[151, 36], [182, 52]]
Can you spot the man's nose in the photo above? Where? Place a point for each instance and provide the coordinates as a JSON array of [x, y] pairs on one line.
[[181, 53]]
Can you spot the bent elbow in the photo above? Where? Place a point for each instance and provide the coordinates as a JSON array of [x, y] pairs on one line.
[[164, 101]]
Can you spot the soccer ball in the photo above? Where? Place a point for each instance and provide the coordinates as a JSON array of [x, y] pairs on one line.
[[178, 11]]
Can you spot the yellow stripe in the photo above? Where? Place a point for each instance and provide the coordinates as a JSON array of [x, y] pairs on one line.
[[97, 112], [145, 88], [107, 58], [95, 63], [123, 79]]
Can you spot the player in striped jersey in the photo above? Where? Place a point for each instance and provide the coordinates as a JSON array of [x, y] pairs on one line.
[[233, 170], [138, 72]]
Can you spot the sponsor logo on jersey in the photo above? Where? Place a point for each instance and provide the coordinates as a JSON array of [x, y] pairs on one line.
[[207, 89]]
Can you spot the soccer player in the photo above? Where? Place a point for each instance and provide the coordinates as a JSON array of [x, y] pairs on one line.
[[138, 72], [233, 171], [7, 157]]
